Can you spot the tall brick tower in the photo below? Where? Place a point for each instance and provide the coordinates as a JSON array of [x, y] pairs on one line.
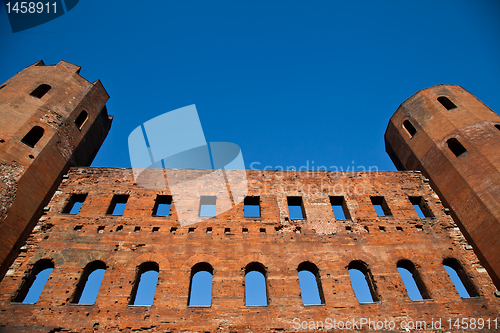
[[51, 118], [454, 139]]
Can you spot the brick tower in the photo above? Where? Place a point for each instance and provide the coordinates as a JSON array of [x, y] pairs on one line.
[[51, 119], [454, 139]]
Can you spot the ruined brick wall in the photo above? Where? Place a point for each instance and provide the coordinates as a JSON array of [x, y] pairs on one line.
[[50, 99], [454, 139], [274, 240]]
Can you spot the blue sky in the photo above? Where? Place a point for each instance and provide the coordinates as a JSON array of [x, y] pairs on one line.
[[293, 83], [290, 82]]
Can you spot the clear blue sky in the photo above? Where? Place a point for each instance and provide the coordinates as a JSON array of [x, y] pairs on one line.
[[288, 81]]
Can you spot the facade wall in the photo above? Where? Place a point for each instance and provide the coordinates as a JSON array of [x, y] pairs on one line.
[[467, 183], [274, 240], [30, 173]]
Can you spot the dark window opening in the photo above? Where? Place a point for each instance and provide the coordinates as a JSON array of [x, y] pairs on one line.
[[209, 230], [155, 229], [381, 206], [339, 207], [137, 229], [78, 227], [296, 208], [118, 228], [252, 206], [74, 203], [191, 230], [421, 207], [456, 147], [244, 230], [118, 203], [255, 285], [90, 281], [200, 286], [419, 227], [208, 206], [497, 127], [227, 230], [381, 228], [446, 103], [415, 287], [33, 136], [463, 284], [81, 119], [399, 228], [298, 230], [162, 205], [173, 230], [33, 284], [40, 91], [3, 85], [262, 230], [100, 229], [409, 128], [146, 279], [348, 228], [362, 282], [310, 284]]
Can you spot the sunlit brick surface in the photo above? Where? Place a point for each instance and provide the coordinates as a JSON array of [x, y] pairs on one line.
[[320, 239]]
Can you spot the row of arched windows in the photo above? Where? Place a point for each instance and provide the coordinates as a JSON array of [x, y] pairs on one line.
[[256, 294]]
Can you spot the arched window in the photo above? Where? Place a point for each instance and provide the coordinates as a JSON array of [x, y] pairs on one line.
[[89, 283], [200, 286], [456, 147], [362, 282], [81, 119], [409, 128], [146, 278], [255, 285], [446, 103], [310, 284], [414, 285], [33, 136], [33, 283], [460, 279], [40, 91]]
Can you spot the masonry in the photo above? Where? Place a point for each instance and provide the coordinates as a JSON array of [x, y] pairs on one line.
[[229, 242]]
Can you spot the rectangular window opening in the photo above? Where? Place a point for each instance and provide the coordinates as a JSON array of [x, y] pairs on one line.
[[162, 205], [399, 228], [421, 207], [381, 206], [74, 204], [227, 230], [381, 228], [100, 229], [209, 230], [244, 230], [252, 206], [191, 230], [208, 206], [78, 228], [262, 230], [137, 229], [339, 207], [296, 208], [298, 230], [118, 203], [155, 229], [173, 230]]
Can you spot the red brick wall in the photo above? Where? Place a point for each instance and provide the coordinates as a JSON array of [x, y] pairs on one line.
[[467, 184], [322, 240]]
